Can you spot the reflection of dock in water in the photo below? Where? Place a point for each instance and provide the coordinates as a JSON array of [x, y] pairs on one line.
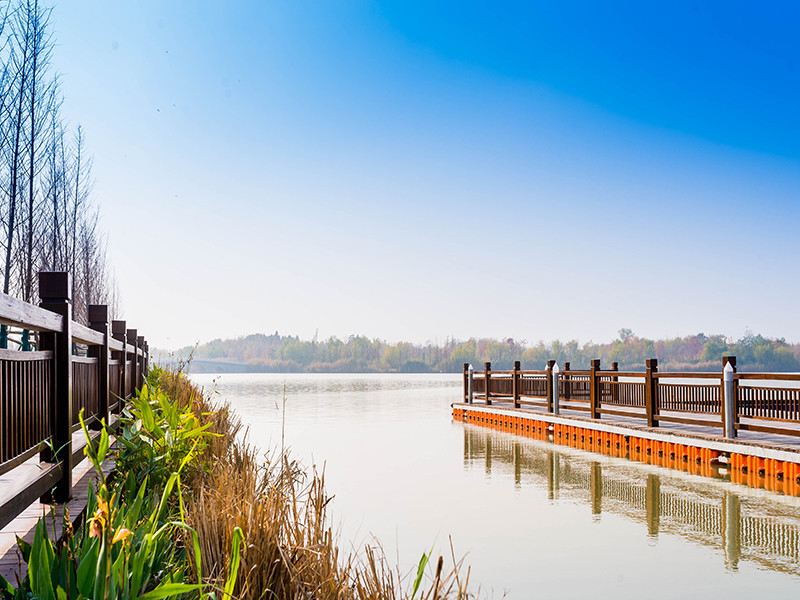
[[764, 530]]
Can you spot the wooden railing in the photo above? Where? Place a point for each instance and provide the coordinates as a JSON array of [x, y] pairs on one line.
[[763, 402], [74, 368]]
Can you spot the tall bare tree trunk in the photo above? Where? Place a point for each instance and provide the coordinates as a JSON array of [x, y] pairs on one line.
[[27, 293], [15, 160]]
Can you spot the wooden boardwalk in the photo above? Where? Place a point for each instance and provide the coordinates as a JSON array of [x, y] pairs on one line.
[[747, 423], [755, 463], [634, 424], [751, 407], [24, 525]]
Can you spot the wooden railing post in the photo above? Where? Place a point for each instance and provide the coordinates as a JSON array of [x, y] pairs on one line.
[[132, 336], [488, 380], [567, 386], [549, 384], [515, 384], [465, 397], [651, 392], [470, 385], [98, 320], [729, 394], [140, 347], [118, 332], [146, 357], [613, 386], [555, 371], [594, 389], [55, 294]]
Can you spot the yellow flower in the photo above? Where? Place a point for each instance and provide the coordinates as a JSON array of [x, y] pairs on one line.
[[121, 535], [95, 526], [102, 506], [100, 518]]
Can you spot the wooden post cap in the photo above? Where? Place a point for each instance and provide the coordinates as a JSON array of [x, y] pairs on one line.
[[118, 329], [55, 285], [98, 313]]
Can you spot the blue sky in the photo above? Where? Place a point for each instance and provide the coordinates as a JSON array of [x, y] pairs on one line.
[[412, 171]]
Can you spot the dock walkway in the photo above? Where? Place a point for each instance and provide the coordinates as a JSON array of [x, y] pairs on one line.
[[746, 423]]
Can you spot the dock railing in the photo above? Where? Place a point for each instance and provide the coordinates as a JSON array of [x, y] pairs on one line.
[[69, 367], [726, 400]]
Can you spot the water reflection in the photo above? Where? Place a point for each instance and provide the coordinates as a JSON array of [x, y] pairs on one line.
[[740, 523]]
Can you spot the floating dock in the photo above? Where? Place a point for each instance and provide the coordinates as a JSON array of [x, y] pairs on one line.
[[746, 426]]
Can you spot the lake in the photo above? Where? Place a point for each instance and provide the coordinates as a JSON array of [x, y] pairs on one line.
[[533, 519]]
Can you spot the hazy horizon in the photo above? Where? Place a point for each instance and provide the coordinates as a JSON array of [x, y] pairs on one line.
[[416, 172]]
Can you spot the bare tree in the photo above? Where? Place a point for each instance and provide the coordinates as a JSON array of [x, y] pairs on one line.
[[38, 95], [19, 58], [47, 217], [53, 184]]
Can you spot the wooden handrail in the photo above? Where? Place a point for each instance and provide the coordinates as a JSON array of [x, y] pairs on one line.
[[84, 360], [620, 373], [768, 376], [82, 334], [18, 313], [699, 393], [16, 355], [47, 387], [686, 375]]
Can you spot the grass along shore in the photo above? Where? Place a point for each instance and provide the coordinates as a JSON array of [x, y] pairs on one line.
[[193, 511]]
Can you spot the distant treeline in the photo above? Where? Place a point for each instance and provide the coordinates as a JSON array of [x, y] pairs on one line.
[[358, 354]]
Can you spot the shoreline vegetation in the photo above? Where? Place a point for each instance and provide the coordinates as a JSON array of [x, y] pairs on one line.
[[192, 510], [359, 354]]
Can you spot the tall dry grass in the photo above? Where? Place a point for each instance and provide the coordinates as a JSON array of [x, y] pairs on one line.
[[290, 550]]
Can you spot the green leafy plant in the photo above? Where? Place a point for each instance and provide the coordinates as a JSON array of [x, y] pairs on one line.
[[159, 437], [126, 545]]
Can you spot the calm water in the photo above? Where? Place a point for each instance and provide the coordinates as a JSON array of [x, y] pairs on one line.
[[533, 519]]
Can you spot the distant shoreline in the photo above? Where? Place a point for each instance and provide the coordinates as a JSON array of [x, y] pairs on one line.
[[275, 353]]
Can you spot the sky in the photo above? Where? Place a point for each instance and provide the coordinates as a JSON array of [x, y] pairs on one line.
[[417, 171]]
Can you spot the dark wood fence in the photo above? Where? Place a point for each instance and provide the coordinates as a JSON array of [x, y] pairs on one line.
[[762, 402], [72, 368]]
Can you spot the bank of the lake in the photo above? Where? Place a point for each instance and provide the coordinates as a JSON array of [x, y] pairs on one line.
[[184, 507], [529, 516]]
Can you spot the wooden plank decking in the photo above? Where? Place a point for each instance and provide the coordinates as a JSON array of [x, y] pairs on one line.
[[24, 524]]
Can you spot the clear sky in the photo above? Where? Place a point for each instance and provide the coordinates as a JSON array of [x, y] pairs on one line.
[[410, 171]]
